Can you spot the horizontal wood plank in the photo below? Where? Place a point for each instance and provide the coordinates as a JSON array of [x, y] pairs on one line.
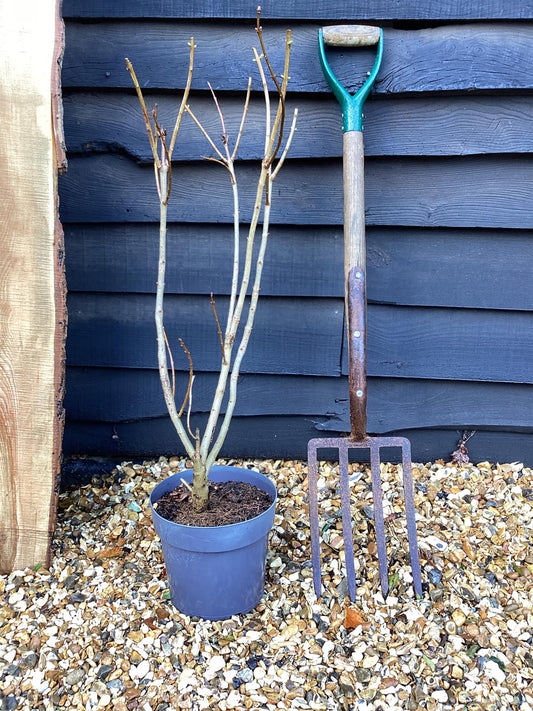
[[449, 58], [470, 191], [118, 395], [302, 336], [290, 335], [445, 125], [304, 261], [461, 344], [310, 9], [281, 437], [417, 267]]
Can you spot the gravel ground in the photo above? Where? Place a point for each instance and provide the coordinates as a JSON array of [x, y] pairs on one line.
[[97, 630]]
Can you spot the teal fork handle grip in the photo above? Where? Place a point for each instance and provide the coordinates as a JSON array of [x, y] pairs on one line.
[[351, 104]]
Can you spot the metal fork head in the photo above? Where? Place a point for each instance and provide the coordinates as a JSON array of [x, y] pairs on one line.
[[373, 444]]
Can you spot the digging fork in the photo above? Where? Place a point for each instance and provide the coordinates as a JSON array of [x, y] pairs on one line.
[[355, 297]]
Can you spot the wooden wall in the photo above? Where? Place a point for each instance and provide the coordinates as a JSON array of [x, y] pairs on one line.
[[449, 200]]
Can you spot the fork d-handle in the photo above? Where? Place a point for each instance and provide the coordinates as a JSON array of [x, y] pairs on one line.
[[350, 36]]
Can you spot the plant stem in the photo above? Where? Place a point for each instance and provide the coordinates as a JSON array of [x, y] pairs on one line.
[[200, 488], [233, 326], [243, 345], [161, 345]]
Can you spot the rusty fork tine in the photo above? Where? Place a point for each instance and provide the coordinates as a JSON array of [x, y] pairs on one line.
[[312, 492], [410, 512], [379, 522], [347, 531]]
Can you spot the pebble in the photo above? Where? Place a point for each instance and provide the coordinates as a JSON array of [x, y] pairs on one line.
[[104, 671], [75, 677], [493, 670], [440, 695], [215, 664], [97, 631], [459, 617], [434, 576], [245, 675], [141, 670]]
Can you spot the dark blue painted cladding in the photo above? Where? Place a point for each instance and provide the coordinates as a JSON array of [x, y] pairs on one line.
[[449, 214]]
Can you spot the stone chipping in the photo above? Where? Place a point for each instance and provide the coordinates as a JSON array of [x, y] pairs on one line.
[[97, 629]]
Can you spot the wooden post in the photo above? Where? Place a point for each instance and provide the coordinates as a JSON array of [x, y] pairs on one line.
[[32, 285]]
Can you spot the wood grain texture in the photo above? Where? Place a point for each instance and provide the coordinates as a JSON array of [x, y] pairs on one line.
[[284, 437], [460, 344], [290, 335], [430, 192], [405, 266], [497, 56], [32, 316], [111, 395], [310, 9], [102, 122]]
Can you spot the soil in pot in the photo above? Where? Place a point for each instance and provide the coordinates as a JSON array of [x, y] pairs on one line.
[[229, 502]]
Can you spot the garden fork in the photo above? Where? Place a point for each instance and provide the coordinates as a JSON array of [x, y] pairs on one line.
[[355, 297]]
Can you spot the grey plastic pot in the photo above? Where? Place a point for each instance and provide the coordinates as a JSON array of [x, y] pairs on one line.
[[215, 572]]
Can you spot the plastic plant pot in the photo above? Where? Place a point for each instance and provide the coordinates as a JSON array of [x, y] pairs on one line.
[[215, 572]]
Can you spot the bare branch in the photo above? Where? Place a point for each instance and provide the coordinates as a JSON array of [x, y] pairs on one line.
[[195, 436], [191, 379], [151, 137], [267, 100], [282, 90], [216, 160], [161, 347], [244, 114], [171, 364], [206, 135], [288, 145], [279, 121], [165, 155], [220, 115], [259, 31], [221, 338], [243, 345], [236, 246], [184, 98]]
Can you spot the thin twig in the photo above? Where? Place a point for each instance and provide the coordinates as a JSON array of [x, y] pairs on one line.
[[184, 98], [205, 134], [186, 484], [279, 121], [171, 363], [220, 115], [288, 145], [243, 118], [196, 437], [280, 89], [221, 338], [267, 100], [216, 160], [259, 31], [149, 131], [165, 155], [188, 394]]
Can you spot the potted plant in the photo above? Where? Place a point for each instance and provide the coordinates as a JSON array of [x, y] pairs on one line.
[[216, 569]]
